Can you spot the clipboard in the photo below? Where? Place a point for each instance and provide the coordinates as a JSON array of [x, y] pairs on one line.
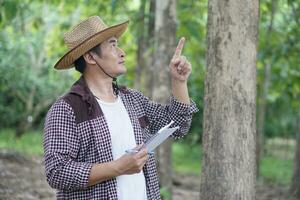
[[157, 139]]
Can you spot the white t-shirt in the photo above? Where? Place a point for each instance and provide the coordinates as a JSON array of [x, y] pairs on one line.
[[129, 187]]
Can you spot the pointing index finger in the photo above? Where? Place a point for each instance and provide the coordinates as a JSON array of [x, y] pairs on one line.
[[179, 47]]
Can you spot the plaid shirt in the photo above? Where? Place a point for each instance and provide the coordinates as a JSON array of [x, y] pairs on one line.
[[77, 135]]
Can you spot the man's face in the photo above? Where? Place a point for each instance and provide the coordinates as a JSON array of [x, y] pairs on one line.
[[112, 58]]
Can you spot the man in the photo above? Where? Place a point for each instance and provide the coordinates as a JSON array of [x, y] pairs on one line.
[[88, 130]]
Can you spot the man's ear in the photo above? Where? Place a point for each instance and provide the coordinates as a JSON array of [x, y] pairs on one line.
[[89, 58]]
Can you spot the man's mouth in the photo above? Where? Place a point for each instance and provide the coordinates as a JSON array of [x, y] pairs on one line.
[[122, 62]]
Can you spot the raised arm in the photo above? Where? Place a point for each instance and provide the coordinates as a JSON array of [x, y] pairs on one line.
[[180, 69]]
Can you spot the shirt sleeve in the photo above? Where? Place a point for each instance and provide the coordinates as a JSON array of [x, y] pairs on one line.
[[159, 114], [61, 146]]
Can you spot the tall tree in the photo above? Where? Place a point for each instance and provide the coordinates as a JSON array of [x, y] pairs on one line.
[[148, 72], [229, 136], [164, 44], [141, 46], [143, 76]]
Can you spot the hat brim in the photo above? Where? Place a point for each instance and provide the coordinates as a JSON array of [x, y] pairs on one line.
[[72, 55]]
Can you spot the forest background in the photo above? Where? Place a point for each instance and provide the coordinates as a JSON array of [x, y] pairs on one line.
[[31, 41]]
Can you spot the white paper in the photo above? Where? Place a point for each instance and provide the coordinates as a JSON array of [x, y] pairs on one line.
[[160, 137], [157, 139]]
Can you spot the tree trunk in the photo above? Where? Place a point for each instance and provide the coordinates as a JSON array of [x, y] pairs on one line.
[[164, 45], [141, 48], [295, 186], [228, 171], [149, 55], [23, 124], [22, 128]]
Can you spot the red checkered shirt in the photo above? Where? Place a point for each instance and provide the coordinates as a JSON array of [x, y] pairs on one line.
[[77, 135]]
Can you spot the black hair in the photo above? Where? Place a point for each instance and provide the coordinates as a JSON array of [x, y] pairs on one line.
[[80, 63]]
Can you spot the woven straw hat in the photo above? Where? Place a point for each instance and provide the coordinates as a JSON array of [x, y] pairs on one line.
[[85, 36]]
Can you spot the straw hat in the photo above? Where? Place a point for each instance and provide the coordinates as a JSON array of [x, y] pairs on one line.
[[85, 36]]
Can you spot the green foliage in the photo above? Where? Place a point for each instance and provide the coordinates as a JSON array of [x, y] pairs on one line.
[[31, 42], [279, 46], [30, 143], [29, 85], [192, 25], [276, 170], [35, 33], [277, 163], [186, 158], [165, 193]]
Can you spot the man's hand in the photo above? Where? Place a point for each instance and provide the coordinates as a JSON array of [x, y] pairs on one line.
[[127, 164], [132, 163], [179, 66]]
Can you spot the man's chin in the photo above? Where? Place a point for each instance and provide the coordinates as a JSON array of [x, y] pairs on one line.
[[121, 73], [124, 71]]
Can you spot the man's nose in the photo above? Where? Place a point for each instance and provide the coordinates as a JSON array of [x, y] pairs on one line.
[[122, 54]]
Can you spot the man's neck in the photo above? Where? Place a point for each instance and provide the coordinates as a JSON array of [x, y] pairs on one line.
[[100, 86]]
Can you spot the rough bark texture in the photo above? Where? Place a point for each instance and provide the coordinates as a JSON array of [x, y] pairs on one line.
[[141, 48], [229, 136], [148, 54], [295, 186], [165, 32]]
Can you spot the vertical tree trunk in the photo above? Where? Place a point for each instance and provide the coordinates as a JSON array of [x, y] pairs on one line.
[[228, 171], [149, 55], [22, 127], [141, 47], [23, 124], [295, 186], [164, 45]]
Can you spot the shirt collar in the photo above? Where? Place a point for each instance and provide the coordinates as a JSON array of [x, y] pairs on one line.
[[81, 88]]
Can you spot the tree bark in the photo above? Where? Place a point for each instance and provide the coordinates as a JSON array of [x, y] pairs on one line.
[[164, 45], [22, 127], [295, 186], [23, 124], [31, 109], [228, 171], [141, 47], [149, 55]]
